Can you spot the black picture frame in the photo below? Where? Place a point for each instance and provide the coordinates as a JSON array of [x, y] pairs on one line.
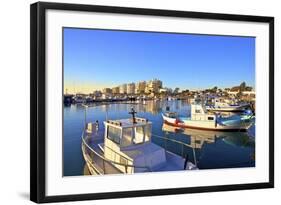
[[38, 100]]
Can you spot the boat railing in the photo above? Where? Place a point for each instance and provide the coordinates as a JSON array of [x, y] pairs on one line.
[[180, 148], [101, 165]]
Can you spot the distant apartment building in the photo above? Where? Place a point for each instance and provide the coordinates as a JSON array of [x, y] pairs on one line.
[[123, 89], [249, 93], [233, 93], [140, 87], [106, 91], [131, 88], [115, 90], [153, 86]]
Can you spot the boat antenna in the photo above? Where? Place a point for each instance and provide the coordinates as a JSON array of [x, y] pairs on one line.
[[133, 112], [85, 114]]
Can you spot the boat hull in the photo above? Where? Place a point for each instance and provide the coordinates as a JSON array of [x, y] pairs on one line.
[[228, 109], [181, 125], [205, 125], [169, 120]]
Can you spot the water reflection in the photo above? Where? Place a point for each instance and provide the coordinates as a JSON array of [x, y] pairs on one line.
[[199, 137], [208, 145], [150, 106]]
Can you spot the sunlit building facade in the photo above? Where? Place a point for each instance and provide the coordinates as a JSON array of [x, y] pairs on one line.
[[153, 86], [106, 91], [115, 90], [123, 89], [140, 87], [131, 88]]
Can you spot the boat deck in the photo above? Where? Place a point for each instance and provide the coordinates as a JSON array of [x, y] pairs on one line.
[[174, 163], [96, 156]]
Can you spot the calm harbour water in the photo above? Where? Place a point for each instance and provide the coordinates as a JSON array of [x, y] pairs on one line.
[[211, 149]]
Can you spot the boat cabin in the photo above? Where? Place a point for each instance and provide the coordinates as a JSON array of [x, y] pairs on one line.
[[128, 142], [125, 133], [199, 113], [171, 114]]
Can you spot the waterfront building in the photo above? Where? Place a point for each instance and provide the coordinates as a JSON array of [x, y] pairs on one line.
[[153, 86], [123, 89], [140, 87], [106, 91], [131, 88], [233, 93], [249, 96], [96, 94], [163, 90], [115, 90], [249, 93]]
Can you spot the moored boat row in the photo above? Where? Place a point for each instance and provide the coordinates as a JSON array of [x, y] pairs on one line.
[[222, 106]]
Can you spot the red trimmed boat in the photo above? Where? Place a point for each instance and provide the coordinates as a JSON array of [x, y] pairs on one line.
[[201, 119]]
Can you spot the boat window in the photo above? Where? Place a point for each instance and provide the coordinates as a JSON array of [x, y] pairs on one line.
[[139, 135], [147, 133], [127, 137], [197, 111], [171, 114], [210, 118], [113, 134]]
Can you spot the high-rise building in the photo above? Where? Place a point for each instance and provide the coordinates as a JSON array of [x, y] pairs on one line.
[[153, 86], [131, 88], [115, 90], [106, 91], [140, 87], [123, 89]]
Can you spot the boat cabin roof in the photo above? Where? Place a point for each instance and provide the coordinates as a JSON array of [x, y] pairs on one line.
[[128, 123], [171, 114]]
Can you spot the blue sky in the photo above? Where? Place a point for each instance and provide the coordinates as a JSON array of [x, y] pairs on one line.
[[103, 58]]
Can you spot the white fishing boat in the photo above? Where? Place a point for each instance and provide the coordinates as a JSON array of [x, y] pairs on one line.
[[125, 146], [222, 106], [201, 119]]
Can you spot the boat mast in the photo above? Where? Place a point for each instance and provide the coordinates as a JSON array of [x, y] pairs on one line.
[[133, 112], [85, 114]]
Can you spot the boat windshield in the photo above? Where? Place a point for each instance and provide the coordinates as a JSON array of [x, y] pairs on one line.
[[136, 135], [114, 134], [171, 114], [127, 137], [147, 133], [139, 135]]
